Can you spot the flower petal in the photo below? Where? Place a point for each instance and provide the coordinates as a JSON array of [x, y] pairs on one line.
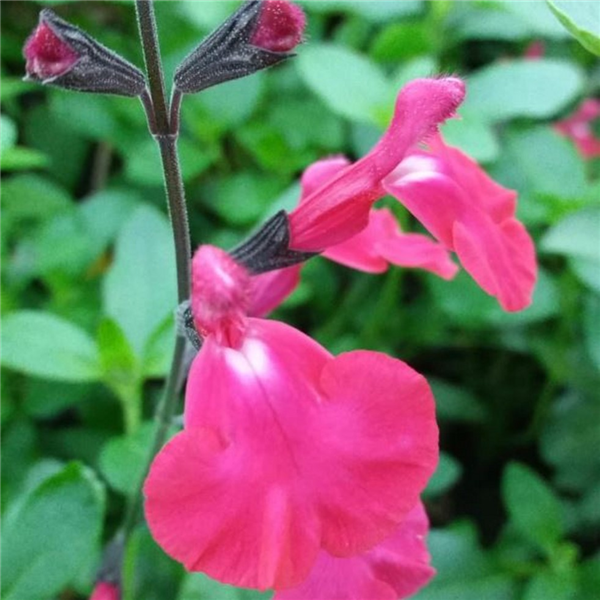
[[270, 289], [340, 208], [382, 242], [472, 215], [396, 568], [286, 450]]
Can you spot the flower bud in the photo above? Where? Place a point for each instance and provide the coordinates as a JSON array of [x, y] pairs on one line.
[[258, 35], [61, 54]]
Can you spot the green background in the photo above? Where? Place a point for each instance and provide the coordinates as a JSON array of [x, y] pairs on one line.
[[89, 285]]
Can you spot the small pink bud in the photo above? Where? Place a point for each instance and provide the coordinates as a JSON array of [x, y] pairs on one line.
[[280, 26], [60, 54], [47, 55]]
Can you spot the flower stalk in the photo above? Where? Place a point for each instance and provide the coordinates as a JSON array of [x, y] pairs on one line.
[[165, 130]]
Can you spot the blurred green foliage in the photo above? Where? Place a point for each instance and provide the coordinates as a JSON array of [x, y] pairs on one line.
[[89, 286]]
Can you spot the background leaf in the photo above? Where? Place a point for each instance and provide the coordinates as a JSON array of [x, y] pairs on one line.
[[523, 88], [45, 345], [582, 19], [51, 534], [139, 290], [532, 506]]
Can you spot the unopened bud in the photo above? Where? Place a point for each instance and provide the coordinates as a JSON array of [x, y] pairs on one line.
[[258, 35], [63, 55]]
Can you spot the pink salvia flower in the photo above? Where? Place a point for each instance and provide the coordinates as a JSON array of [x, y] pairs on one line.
[[578, 127], [396, 568], [286, 449], [105, 591], [472, 215], [280, 26], [447, 191], [47, 55], [340, 209], [270, 289], [381, 242]]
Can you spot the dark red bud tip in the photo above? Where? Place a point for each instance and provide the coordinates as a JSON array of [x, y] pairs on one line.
[[47, 55], [280, 26]]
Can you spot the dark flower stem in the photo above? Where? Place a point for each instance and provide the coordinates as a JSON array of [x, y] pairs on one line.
[[165, 132]]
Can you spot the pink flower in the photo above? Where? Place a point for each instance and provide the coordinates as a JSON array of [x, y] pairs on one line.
[[578, 128], [461, 206], [472, 215], [270, 289], [286, 449], [340, 208], [280, 26], [381, 242], [48, 56], [105, 591], [396, 568]]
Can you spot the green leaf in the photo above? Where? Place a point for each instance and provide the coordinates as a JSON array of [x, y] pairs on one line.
[[32, 197], [243, 198], [103, 214], [140, 288], [464, 570], [532, 506], [549, 585], [466, 303], [569, 439], [454, 403], [486, 21], [45, 345], [8, 137], [582, 19], [51, 534], [576, 236], [538, 19], [208, 15], [523, 88], [120, 369], [589, 579], [472, 136], [14, 86], [19, 158], [548, 164], [143, 164], [46, 399], [346, 81], [591, 327], [448, 472], [123, 458], [159, 350], [197, 586], [222, 102], [377, 12]]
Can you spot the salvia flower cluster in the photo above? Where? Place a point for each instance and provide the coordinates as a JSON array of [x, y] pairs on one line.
[[297, 470]]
